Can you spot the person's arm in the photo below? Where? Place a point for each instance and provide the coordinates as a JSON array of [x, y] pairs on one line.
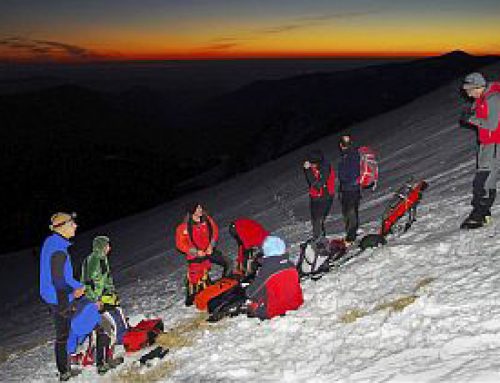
[[313, 181], [215, 232], [491, 122], [182, 241], [96, 278], [57, 264]]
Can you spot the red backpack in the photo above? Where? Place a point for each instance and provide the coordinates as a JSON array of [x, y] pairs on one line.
[[142, 335], [368, 168]]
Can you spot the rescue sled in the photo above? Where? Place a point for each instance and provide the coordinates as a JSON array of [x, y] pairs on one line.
[[401, 211]]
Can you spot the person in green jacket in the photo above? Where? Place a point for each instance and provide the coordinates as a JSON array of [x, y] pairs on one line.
[[99, 287], [96, 274]]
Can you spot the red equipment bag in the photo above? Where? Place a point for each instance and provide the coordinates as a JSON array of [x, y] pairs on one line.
[[143, 334], [222, 285]]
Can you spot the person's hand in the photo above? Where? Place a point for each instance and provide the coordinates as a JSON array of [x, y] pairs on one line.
[[200, 253], [209, 250], [307, 164], [99, 305], [77, 293]]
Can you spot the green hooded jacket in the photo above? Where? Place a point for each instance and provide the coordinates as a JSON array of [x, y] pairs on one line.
[[96, 275]]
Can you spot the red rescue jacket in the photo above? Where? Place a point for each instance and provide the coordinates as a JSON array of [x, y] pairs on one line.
[[481, 108], [191, 237], [276, 289], [330, 183]]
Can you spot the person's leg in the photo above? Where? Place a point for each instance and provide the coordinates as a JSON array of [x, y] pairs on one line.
[[102, 343], [62, 325], [326, 211], [484, 184], [317, 206], [350, 202], [221, 260]]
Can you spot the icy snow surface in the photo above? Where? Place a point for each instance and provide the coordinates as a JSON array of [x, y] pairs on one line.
[[449, 330]]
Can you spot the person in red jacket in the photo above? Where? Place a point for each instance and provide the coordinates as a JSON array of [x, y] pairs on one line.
[[321, 179], [197, 238], [249, 235], [485, 116], [276, 288]]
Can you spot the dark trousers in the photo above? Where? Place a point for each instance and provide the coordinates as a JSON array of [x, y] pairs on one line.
[[482, 198], [62, 324], [219, 259], [102, 344], [320, 207], [350, 208]]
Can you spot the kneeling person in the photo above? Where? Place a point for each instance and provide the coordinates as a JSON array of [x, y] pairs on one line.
[[276, 288]]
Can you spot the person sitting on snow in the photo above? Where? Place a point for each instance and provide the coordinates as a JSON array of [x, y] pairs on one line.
[[249, 235], [197, 238], [276, 288], [99, 287]]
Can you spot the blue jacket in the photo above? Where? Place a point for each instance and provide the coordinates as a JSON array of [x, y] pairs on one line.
[[54, 244], [348, 170]]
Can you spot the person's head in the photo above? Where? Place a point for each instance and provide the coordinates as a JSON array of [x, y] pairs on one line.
[[474, 85], [273, 246], [345, 141], [101, 244], [315, 157], [63, 224], [196, 211]]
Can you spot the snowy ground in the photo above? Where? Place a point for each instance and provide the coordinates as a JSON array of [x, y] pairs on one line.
[[424, 308]]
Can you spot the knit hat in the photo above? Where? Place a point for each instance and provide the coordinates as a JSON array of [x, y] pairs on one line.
[[59, 219], [474, 80], [273, 246]]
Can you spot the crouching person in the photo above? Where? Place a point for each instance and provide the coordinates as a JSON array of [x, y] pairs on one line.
[[276, 288], [99, 287], [249, 235]]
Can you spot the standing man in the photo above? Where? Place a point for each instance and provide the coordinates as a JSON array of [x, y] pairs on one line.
[[321, 179], [197, 238], [350, 191], [58, 288], [485, 116]]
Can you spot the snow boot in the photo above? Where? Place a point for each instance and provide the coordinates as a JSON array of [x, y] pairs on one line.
[[475, 222], [68, 375], [115, 362]]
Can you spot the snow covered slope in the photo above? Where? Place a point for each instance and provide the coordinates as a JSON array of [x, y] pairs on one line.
[[423, 308]]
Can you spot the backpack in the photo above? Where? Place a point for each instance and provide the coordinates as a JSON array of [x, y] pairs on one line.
[[368, 168], [142, 335], [315, 256], [204, 296]]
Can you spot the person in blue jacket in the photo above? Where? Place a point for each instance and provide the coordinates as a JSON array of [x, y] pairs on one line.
[[63, 293], [348, 173]]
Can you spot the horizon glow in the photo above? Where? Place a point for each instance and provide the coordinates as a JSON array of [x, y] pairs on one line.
[[94, 30]]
